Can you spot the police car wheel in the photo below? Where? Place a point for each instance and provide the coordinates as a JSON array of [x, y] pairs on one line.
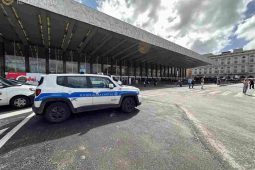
[[128, 105], [57, 112]]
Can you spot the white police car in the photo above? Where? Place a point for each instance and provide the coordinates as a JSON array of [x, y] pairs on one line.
[[59, 95]]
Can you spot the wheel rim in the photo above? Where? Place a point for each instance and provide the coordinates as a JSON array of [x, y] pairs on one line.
[[20, 102], [57, 113]]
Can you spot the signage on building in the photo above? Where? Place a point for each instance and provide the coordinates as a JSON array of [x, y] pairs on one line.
[[31, 78]]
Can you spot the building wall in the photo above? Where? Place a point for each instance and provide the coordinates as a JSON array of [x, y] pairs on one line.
[[236, 64]]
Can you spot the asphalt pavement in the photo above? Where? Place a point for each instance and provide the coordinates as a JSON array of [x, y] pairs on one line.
[[174, 128]]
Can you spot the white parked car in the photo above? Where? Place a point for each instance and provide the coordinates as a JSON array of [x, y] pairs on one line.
[[18, 96], [60, 95]]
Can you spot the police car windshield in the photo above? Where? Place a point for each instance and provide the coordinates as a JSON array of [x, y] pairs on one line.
[[6, 82]]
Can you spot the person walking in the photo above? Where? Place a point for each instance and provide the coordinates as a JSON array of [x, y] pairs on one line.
[[202, 83], [190, 82], [251, 84], [245, 86]]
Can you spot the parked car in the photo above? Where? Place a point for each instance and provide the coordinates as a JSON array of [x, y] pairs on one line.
[[60, 95], [18, 96]]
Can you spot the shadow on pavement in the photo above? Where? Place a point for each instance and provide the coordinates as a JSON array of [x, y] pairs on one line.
[[37, 130]]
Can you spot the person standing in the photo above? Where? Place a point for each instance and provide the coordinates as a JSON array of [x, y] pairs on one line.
[[245, 86], [202, 83], [251, 84]]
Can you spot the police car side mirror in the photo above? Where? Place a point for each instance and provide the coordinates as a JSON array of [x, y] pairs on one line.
[[119, 83], [111, 86]]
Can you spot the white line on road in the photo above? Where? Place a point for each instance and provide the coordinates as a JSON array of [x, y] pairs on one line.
[[3, 130], [214, 92], [226, 93], [240, 94], [15, 113], [14, 130]]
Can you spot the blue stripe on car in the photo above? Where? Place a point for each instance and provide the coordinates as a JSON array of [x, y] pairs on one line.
[[44, 96]]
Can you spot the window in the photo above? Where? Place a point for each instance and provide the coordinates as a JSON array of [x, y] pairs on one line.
[[100, 82], [222, 61], [243, 59], [251, 58], [73, 82], [229, 61], [251, 69]]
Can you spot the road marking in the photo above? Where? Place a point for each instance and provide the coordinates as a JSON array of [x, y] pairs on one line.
[[3, 130], [240, 94], [14, 130], [203, 91], [214, 92], [15, 113], [226, 93], [217, 145]]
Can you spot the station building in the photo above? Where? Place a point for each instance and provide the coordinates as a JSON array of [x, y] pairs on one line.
[[64, 36]]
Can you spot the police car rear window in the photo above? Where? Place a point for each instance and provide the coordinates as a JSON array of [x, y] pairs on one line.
[[72, 81]]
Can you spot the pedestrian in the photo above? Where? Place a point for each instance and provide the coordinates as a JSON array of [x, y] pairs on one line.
[[190, 82], [251, 84], [202, 82], [245, 86]]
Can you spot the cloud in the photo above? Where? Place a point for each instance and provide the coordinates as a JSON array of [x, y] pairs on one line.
[[246, 30], [204, 26]]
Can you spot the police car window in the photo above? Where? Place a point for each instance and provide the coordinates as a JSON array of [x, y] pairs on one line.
[[73, 82], [100, 82]]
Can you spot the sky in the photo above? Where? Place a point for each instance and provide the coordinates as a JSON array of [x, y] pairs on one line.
[[205, 26]]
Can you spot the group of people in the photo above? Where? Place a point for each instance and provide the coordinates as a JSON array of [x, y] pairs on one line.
[[246, 84], [191, 83]]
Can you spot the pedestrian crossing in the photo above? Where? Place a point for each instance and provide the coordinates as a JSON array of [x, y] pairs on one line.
[[205, 92]]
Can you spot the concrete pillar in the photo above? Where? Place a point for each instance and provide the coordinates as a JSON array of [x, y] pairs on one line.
[[79, 63], [152, 70], [146, 70], [26, 55], [128, 69], [111, 70], [168, 71], [2, 58], [47, 58], [135, 69], [156, 70], [102, 65], [141, 70], [120, 68], [64, 61], [91, 66], [160, 70]]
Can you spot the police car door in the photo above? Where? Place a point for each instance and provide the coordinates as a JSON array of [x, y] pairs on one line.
[[79, 93], [103, 94]]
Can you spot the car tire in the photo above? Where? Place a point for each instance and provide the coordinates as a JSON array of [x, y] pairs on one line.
[[19, 102], [128, 105], [57, 112]]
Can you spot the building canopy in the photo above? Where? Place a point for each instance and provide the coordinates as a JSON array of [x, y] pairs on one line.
[[70, 26]]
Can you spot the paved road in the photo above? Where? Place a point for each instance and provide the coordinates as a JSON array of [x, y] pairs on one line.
[[166, 132]]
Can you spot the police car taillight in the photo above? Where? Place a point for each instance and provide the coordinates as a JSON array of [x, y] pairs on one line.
[[38, 92]]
